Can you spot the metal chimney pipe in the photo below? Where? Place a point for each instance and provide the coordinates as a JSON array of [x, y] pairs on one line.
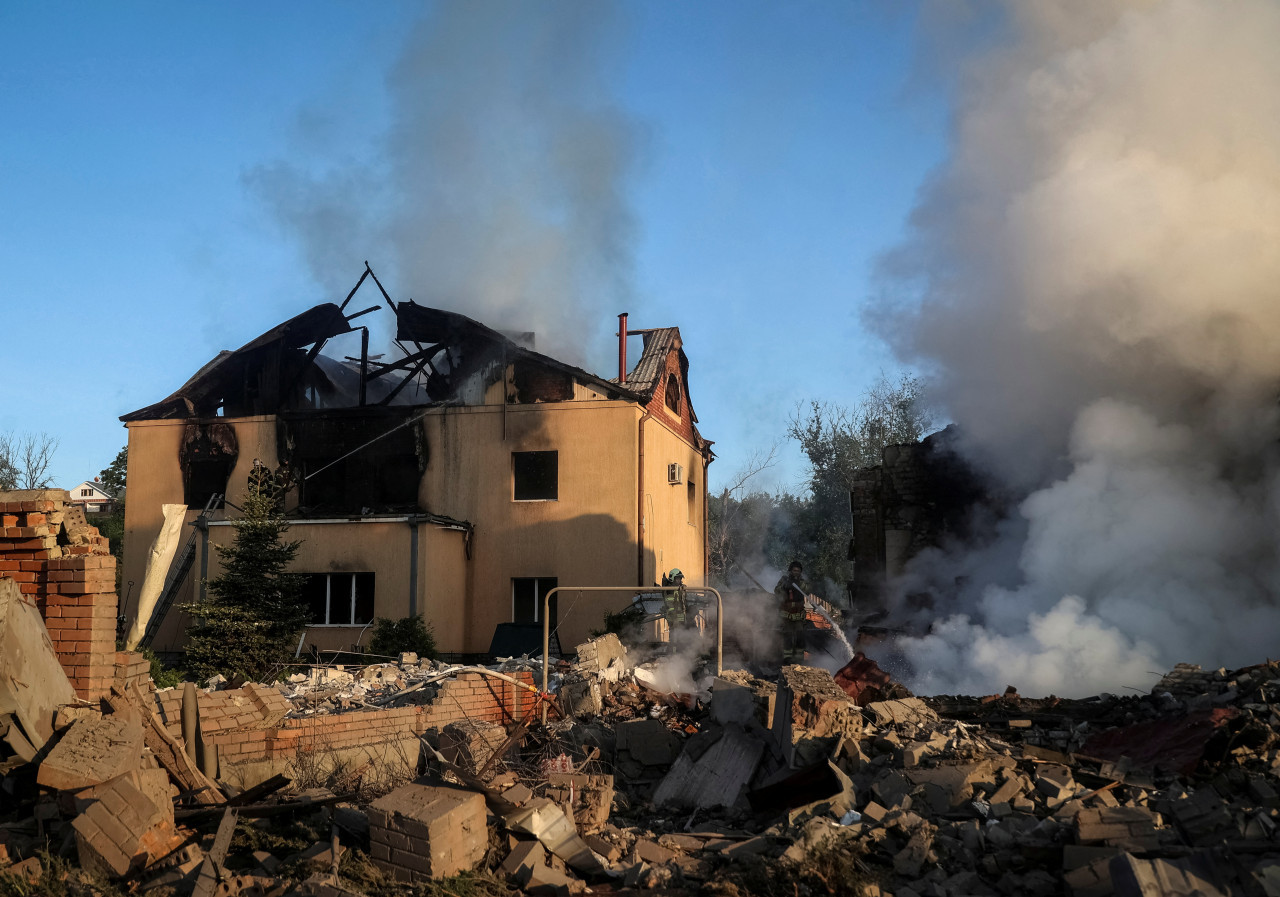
[[622, 347]]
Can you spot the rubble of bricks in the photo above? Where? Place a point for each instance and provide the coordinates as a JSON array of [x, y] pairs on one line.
[[419, 832], [122, 829], [250, 724], [63, 566], [133, 670]]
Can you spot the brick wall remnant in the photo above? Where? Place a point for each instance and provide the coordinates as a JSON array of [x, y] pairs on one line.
[[920, 495], [63, 566], [93, 751], [249, 724]]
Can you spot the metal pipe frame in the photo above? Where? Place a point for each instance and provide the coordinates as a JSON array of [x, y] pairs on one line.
[[635, 590]]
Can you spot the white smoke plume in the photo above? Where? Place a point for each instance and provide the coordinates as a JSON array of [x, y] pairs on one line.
[[1093, 284], [499, 188]]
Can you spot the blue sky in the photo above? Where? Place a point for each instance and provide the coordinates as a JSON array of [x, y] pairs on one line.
[[775, 150]]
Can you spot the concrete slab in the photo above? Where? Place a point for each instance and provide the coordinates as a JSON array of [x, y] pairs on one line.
[[715, 779], [599, 654], [648, 741], [904, 711], [547, 822], [93, 751], [523, 859], [32, 682]]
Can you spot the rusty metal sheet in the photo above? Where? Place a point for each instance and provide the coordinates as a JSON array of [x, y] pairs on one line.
[[1175, 745]]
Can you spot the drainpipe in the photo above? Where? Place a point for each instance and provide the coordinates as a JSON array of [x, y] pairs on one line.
[[706, 464], [640, 523], [622, 347]]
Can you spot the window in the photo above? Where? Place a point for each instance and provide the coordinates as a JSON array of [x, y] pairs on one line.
[[672, 394], [527, 593], [535, 383], [339, 599], [349, 460], [86, 492], [536, 475], [208, 455], [693, 503]]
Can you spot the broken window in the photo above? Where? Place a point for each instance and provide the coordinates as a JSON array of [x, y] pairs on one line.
[[339, 599], [536, 475], [672, 393], [353, 462], [539, 383], [207, 455], [527, 593], [693, 503]]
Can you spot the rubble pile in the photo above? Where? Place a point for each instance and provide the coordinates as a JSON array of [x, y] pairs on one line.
[[799, 782]]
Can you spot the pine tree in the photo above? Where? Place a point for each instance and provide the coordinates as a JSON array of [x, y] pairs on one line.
[[250, 620]]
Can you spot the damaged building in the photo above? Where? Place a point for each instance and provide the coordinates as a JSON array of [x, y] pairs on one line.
[[921, 495], [461, 482]]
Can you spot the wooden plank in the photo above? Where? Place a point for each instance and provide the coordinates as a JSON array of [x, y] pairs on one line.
[[259, 791], [211, 870]]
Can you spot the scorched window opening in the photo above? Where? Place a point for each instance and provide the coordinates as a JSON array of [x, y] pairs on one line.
[[536, 476]]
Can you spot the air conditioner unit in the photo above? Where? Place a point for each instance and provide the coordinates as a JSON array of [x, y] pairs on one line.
[[675, 474]]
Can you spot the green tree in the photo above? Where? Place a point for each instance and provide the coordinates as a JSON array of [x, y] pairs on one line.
[[838, 441], [111, 524], [113, 475], [253, 613]]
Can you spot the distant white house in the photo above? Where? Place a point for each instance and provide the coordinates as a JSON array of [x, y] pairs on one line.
[[91, 496]]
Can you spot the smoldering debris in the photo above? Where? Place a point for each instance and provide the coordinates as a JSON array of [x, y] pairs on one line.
[[844, 783], [1091, 282]]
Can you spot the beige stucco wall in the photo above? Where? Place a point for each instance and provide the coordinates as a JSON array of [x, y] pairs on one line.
[[674, 536], [154, 477], [587, 536]]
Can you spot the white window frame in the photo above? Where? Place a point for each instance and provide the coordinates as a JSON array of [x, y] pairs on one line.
[[328, 599]]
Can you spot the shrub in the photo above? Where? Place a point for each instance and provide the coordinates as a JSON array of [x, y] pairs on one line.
[[161, 675], [390, 637]]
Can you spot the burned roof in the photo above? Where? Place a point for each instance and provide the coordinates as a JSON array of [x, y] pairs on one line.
[[205, 391], [419, 324], [276, 371]]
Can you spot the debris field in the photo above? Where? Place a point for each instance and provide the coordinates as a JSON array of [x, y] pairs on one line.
[[398, 778]]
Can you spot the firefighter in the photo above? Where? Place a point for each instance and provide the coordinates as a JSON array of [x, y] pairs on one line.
[[675, 603], [792, 591]]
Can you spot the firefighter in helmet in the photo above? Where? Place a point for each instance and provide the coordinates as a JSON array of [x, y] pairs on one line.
[[791, 591], [675, 602]]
